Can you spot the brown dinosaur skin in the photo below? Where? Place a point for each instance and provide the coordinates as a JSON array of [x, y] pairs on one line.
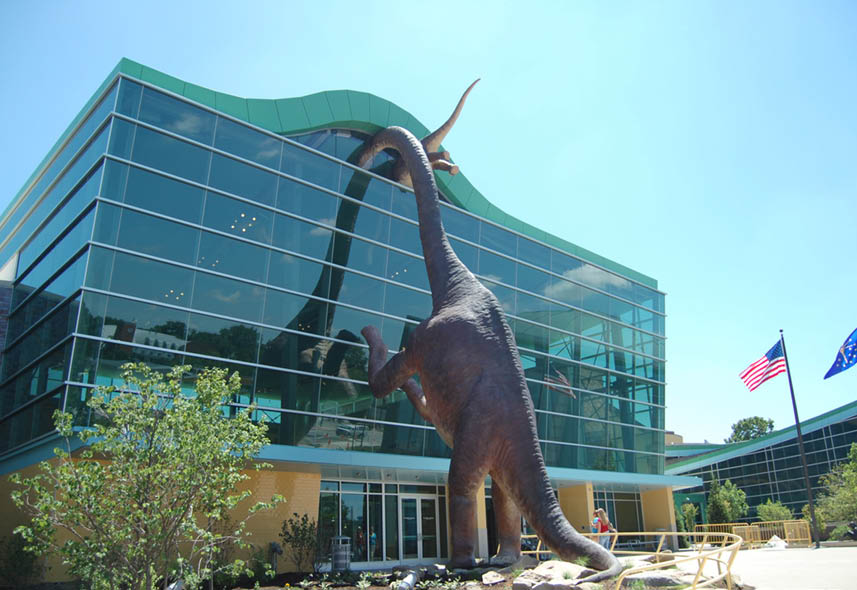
[[473, 391]]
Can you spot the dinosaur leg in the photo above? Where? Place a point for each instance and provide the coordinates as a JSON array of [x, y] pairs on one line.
[[467, 471], [384, 378], [508, 520]]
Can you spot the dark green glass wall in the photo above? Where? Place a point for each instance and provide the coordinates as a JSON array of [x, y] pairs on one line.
[[197, 239], [775, 472]]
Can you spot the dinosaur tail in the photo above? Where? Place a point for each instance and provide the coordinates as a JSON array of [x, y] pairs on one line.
[[441, 261], [530, 488], [432, 141]]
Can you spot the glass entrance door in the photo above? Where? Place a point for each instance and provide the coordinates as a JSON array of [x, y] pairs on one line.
[[419, 531]]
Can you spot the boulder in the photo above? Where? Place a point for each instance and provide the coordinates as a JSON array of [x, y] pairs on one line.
[[491, 577]]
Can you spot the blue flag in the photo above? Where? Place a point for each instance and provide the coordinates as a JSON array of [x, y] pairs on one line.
[[846, 357]]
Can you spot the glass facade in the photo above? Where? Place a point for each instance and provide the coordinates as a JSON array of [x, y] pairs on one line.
[[776, 472], [168, 233]]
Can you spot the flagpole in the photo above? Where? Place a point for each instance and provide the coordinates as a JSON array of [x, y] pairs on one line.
[[800, 446]]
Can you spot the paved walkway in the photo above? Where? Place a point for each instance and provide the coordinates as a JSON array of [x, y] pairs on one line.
[[828, 568]]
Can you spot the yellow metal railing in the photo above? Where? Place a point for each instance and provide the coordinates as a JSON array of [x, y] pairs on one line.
[[709, 547], [793, 532]]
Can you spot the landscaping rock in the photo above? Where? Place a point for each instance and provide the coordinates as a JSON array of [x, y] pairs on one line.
[[656, 579], [551, 575], [490, 578]]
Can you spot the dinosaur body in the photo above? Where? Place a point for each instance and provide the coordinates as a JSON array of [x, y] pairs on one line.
[[472, 388]]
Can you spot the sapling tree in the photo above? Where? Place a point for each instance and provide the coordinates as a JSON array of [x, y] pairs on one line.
[[147, 498]]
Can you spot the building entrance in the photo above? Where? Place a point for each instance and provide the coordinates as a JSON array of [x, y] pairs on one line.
[[418, 527]]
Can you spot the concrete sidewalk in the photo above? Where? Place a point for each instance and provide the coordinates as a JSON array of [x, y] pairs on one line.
[[828, 568]]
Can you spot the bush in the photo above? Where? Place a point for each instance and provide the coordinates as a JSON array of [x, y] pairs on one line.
[[18, 566], [300, 535], [774, 511], [726, 503]]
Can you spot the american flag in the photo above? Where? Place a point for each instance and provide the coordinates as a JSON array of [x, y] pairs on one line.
[[770, 365]]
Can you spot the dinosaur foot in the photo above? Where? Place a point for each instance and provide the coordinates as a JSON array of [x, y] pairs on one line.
[[461, 563], [505, 558]]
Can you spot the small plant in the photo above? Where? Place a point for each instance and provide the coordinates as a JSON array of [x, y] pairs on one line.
[[306, 583], [582, 561], [365, 581], [566, 575], [638, 585], [325, 582]]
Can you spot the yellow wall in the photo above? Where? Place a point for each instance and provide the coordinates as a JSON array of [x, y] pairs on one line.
[[301, 490], [482, 549], [658, 513], [578, 504]]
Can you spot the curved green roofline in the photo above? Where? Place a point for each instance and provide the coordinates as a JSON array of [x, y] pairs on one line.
[[346, 109]]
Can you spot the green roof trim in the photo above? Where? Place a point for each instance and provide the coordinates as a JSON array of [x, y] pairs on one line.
[[731, 450], [347, 109]]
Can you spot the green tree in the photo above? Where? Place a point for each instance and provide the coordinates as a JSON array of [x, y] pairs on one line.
[[750, 428], [689, 512], [726, 503], [147, 498], [774, 511], [838, 500]]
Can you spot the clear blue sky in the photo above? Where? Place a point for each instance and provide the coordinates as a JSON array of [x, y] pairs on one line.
[[710, 145]]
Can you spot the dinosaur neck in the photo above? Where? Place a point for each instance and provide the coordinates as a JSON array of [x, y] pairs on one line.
[[442, 265]]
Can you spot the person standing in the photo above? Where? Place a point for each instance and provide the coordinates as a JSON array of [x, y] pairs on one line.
[[601, 525]]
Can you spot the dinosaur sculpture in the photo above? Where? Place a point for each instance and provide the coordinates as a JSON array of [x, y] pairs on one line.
[[472, 388]]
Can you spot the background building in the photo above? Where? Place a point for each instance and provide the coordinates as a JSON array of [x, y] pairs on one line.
[[770, 466], [173, 224]]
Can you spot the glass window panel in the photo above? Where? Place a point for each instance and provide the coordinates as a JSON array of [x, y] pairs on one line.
[[228, 297], [122, 138], [297, 274], [242, 179], [533, 280], [369, 190], [468, 254], [99, 268], [148, 279], [115, 179], [157, 237], [249, 144], [75, 204], [92, 310], [298, 236], [407, 303], [460, 224], [232, 257], [45, 375], [499, 239], [238, 218], [407, 269], [372, 224], [405, 236], [361, 291], [177, 116], [391, 527], [107, 223], [47, 299], [565, 291], [504, 295], [160, 194], [305, 201], [128, 102], [350, 320], [46, 334], [534, 253], [222, 338], [533, 308], [497, 268], [171, 155], [295, 312], [113, 356], [145, 323], [63, 250], [405, 204], [359, 255], [310, 167]]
